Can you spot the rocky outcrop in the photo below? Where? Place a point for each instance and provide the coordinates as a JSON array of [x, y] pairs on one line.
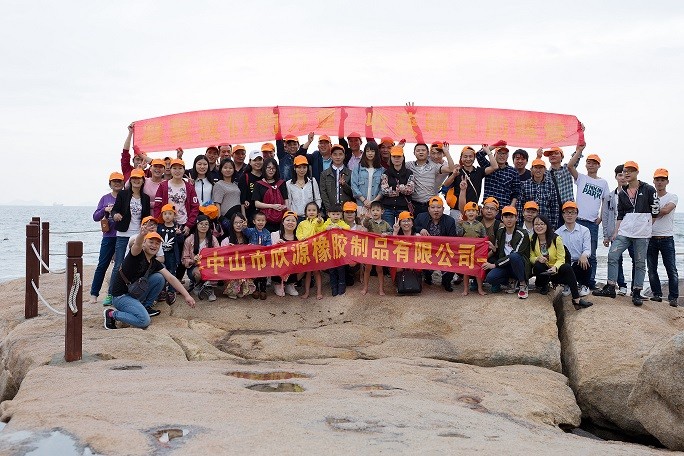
[[658, 396]]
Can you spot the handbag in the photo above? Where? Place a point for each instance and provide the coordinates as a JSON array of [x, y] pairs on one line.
[[410, 207], [408, 282], [137, 289], [104, 225]]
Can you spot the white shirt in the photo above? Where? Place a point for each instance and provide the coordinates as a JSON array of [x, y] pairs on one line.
[[590, 193], [664, 226], [578, 241], [136, 218]]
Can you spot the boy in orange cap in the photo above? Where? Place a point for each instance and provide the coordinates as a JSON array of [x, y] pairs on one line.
[[475, 229]]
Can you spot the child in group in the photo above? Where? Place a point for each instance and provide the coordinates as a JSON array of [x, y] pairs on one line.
[[338, 281], [171, 247], [474, 229], [375, 224], [349, 212], [313, 224], [259, 235]]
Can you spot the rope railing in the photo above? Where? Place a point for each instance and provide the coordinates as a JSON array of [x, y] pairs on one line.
[[45, 266], [75, 232]]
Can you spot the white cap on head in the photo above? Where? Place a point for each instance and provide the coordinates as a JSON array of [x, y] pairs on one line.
[[255, 154]]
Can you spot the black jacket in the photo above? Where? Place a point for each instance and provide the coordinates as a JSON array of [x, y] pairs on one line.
[[122, 206]]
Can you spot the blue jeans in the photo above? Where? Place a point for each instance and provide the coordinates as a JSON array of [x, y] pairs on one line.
[[619, 245], [515, 268], [390, 215], [130, 310], [594, 231], [107, 248], [119, 253], [171, 264], [621, 273], [665, 246]]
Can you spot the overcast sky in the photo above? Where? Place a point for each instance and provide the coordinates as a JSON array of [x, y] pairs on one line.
[[76, 73]]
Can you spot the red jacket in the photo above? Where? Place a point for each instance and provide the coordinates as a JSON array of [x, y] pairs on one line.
[[191, 202]]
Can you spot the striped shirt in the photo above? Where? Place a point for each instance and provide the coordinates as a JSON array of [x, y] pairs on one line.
[[544, 194], [503, 184]]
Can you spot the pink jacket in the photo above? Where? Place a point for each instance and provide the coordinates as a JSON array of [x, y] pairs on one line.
[[191, 202]]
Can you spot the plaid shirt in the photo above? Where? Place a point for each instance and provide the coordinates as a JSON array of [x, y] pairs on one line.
[[544, 194], [503, 184], [566, 184]]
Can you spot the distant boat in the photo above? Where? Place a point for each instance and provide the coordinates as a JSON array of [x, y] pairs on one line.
[[57, 204]]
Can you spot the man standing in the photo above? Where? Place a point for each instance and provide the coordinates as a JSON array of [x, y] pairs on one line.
[[437, 157], [435, 223], [638, 205], [286, 150], [592, 192], [662, 241], [335, 183], [141, 261], [541, 190], [608, 219], [352, 154], [225, 151], [520, 159], [212, 154], [577, 239], [560, 175], [239, 155], [320, 159], [425, 175], [501, 179]]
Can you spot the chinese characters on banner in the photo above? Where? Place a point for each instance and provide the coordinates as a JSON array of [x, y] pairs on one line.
[[339, 247], [415, 124]]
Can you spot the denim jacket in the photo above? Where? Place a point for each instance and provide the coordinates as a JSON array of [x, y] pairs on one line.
[[359, 182]]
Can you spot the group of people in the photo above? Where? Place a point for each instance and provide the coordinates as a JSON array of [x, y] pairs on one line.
[[541, 222]]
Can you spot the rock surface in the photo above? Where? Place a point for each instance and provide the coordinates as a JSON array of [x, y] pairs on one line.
[[658, 396], [604, 348]]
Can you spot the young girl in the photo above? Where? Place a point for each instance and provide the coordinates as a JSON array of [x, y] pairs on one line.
[[285, 285], [474, 229], [226, 195], [338, 283], [259, 235], [307, 228], [172, 246], [199, 239], [237, 288]]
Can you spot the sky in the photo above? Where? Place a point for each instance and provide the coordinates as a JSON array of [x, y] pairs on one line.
[[75, 74]]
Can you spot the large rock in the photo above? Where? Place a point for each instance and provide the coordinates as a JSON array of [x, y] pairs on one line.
[[328, 406], [658, 396], [604, 348]]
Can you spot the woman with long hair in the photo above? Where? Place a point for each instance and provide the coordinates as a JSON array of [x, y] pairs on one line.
[[547, 255], [237, 288], [286, 284], [366, 178], [226, 195], [302, 189], [201, 237], [270, 195], [199, 175], [396, 186]]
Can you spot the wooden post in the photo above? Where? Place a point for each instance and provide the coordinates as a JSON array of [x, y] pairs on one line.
[[73, 336], [32, 271], [45, 245], [35, 220]]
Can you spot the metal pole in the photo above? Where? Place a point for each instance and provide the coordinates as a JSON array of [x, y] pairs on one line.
[[45, 245], [73, 335], [32, 271]]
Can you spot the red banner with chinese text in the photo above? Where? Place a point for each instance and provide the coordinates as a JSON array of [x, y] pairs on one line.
[[415, 124], [340, 247]]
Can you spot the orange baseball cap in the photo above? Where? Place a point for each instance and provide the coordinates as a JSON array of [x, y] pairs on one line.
[[509, 210], [288, 214], [116, 176], [177, 161], [661, 172], [137, 173], [354, 134], [291, 138], [157, 161], [403, 215], [336, 147], [538, 162], [451, 198], [491, 200], [239, 147], [594, 157], [300, 160], [467, 148], [149, 218], [153, 235], [531, 205], [438, 145], [470, 206], [324, 138], [397, 151], [436, 199], [168, 207], [387, 140], [211, 211], [502, 148], [268, 146], [349, 206], [569, 205], [552, 150], [631, 164]]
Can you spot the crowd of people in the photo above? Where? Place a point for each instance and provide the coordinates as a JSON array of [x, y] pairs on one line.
[[541, 222]]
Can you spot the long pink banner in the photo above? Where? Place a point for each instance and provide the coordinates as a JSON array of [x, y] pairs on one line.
[[415, 124]]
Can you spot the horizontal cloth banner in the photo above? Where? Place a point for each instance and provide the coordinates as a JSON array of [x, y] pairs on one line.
[[415, 124], [340, 247]]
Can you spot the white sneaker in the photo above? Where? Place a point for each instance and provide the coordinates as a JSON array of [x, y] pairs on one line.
[[584, 291], [622, 291], [279, 289], [522, 293], [566, 290], [291, 290]]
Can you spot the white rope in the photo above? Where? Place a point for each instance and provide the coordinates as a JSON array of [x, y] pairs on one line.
[[44, 301], [55, 271], [73, 293]]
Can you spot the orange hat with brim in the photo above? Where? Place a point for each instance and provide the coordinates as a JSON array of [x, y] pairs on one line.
[[137, 173], [239, 147], [531, 205], [354, 134], [451, 198], [594, 157], [661, 172], [491, 200], [291, 138], [397, 151], [288, 214], [470, 206], [337, 147], [631, 164], [324, 138], [168, 207], [437, 145], [300, 160], [211, 211], [509, 210], [154, 235], [552, 150], [436, 199], [149, 218], [538, 162], [467, 148], [157, 161], [177, 161], [267, 146], [349, 206], [116, 176], [387, 140], [403, 215], [569, 205]]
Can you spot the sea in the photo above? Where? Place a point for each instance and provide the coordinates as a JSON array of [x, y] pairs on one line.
[[75, 223]]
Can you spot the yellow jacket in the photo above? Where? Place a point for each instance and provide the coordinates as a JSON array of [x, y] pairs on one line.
[[308, 228], [340, 223], [556, 253]]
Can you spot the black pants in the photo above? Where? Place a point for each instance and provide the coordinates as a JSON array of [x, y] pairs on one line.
[[564, 276], [260, 283]]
